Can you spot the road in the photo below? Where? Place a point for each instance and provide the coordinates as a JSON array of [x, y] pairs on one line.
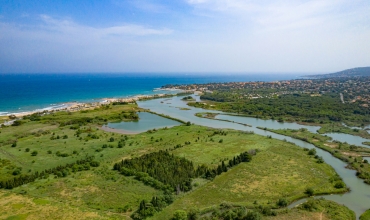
[[341, 97]]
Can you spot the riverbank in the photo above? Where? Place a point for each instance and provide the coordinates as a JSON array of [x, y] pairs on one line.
[[118, 131], [340, 128], [350, 154], [213, 117]]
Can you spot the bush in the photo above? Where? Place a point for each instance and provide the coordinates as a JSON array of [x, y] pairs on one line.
[[309, 191], [252, 215], [339, 185], [16, 172], [34, 153], [180, 215], [282, 202], [320, 160], [94, 163], [312, 151]]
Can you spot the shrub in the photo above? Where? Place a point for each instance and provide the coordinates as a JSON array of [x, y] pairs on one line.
[[16, 172], [282, 202], [339, 185], [309, 191], [34, 153], [94, 163], [252, 215], [312, 151], [180, 215]]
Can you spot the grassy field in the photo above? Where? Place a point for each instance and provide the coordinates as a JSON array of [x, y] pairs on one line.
[[350, 154], [279, 170], [3, 119], [312, 209], [317, 209]]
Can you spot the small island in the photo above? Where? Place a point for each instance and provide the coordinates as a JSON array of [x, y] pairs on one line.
[[188, 98]]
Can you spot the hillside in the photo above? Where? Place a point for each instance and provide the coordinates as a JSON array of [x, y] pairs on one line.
[[359, 71]]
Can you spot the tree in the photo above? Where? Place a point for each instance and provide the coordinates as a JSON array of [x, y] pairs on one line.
[[34, 153]]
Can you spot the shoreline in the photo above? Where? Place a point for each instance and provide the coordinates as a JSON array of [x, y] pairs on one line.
[[80, 106], [119, 131]]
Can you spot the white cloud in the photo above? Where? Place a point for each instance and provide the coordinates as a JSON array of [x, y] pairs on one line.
[[286, 14], [250, 35], [144, 5], [70, 27]]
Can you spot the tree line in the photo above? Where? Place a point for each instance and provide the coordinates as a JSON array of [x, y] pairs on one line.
[[310, 109], [59, 171], [170, 170], [165, 171]]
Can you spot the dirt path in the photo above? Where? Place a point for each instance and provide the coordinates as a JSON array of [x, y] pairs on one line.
[[119, 131], [11, 156]]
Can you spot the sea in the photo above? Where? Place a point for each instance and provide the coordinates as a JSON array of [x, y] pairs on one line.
[[35, 92]]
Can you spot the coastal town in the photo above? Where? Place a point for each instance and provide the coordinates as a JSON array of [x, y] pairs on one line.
[[349, 89]]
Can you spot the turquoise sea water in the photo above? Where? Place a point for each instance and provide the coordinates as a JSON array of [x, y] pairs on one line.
[[27, 92]]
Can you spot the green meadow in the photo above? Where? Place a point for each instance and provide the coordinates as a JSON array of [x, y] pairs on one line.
[[279, 170]]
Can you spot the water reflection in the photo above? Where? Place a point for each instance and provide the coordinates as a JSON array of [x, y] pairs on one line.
[[147, 121]]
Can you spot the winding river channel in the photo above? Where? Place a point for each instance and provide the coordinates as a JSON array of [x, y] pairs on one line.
[[358, 199]]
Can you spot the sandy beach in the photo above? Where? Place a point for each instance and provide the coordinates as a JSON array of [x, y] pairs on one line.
[[76, 106]]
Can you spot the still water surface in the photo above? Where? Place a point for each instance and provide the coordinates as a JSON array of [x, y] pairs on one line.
[[148, 121]]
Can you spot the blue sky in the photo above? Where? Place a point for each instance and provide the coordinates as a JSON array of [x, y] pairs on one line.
[[184, 35]]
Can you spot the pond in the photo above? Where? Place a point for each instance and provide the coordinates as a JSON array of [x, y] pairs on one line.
[[147, 121]]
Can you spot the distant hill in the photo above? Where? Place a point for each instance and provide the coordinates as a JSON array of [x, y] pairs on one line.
[[359, 71]]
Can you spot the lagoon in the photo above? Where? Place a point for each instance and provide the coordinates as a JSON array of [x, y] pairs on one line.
[[147, 121]]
